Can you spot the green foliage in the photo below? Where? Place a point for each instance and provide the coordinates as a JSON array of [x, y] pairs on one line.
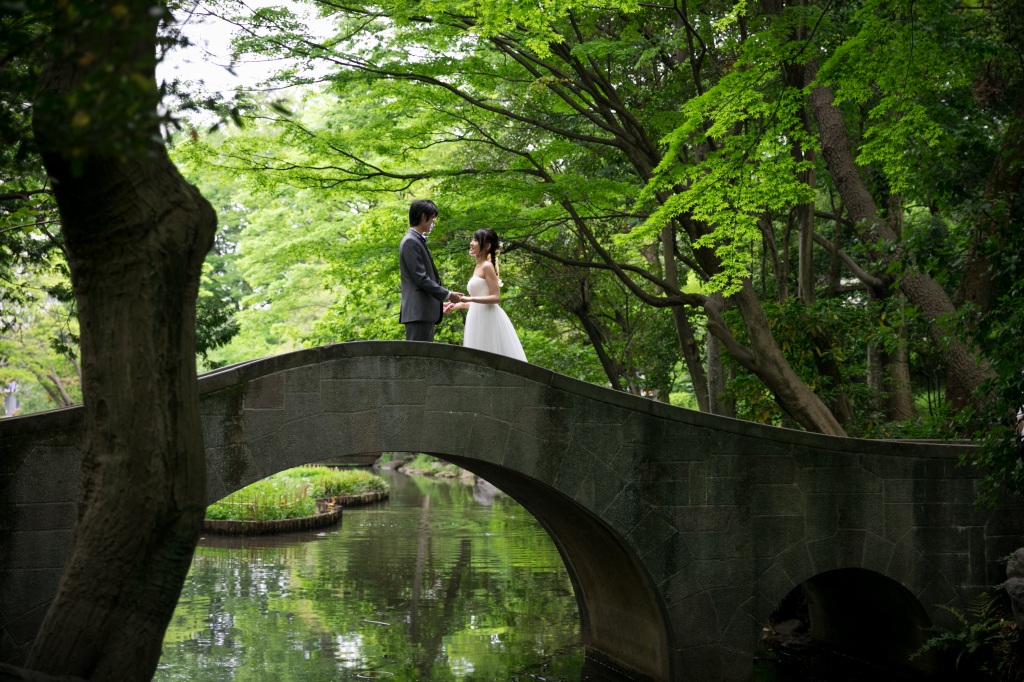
[[425, 465], [985, 645], [293, 493]]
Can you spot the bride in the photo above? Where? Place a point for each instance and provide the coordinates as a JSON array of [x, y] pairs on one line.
[[487, 326]]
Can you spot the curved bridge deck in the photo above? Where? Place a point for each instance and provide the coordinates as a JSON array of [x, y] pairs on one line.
[[681, 531]]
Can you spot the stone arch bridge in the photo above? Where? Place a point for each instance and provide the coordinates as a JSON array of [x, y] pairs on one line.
[[680, 531]]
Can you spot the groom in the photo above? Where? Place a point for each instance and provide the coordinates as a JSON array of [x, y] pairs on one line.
[[422, 293]]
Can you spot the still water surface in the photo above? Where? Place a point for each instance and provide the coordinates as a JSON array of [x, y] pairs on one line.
[[436, 584], [442, 582]]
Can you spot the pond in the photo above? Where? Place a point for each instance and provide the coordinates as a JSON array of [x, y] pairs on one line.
[[444, 581]]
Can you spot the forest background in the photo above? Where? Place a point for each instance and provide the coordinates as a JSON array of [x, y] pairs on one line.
[[805, 214], [801, 214]]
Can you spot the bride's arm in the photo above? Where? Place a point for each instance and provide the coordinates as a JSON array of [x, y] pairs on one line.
[[494, 295]]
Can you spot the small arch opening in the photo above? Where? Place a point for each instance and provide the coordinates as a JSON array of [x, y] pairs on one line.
[[851, 619]]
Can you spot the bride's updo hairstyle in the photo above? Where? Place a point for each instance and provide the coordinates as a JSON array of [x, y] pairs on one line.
[[490, 238]]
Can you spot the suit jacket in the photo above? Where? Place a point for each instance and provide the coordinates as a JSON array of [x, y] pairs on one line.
[[422, 292]]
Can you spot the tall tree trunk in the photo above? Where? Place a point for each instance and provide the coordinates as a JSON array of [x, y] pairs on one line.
[[720, 403], [684, 331], [962, 362], [136, 234], [1002, 192]]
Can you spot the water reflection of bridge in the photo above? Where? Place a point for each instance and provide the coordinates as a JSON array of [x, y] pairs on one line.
[[681, 531]]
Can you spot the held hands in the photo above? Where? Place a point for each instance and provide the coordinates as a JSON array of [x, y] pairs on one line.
[[455, 296]]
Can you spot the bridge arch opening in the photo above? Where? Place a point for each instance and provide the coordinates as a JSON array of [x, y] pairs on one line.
[[860, 614], [623, 624]]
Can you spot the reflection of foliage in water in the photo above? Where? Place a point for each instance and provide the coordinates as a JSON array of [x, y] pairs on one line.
[[439, 589]]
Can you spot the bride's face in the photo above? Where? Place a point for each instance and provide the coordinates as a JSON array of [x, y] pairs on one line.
[[474, 247]]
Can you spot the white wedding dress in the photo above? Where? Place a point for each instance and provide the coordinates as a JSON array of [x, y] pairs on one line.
[[488, 327]]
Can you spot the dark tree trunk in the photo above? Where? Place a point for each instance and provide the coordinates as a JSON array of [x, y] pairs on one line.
[[962, 362], [791, 393], [1002, 191], [136, 234], [684, 331], [720, 403]]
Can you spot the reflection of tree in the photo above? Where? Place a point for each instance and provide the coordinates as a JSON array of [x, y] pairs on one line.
[[463, 592]]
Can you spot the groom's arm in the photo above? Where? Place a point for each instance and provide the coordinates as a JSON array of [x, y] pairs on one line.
[[414, 259]]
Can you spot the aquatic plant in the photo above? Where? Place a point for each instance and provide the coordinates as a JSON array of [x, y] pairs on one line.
[[293, 493]]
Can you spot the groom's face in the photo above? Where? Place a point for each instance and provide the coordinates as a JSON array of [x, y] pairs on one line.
[[426, 224]]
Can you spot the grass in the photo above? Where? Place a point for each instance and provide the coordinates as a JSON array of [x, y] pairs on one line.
[[293, 493]]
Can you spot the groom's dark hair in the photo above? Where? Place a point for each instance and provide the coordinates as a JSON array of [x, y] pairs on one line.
[[420, 208]]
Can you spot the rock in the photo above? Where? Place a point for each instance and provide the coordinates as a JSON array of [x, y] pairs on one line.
[[1014, 585], [1015, 566], [792, 626]]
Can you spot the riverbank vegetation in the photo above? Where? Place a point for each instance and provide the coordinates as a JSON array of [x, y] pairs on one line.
[[293, 493]]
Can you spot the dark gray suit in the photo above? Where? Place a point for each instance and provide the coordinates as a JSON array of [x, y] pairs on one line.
[[422, 293]]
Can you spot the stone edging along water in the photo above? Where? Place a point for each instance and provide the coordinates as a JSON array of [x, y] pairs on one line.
[[328, 513]]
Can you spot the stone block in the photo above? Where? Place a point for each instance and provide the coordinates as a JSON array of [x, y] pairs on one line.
[[877, 553], [669, 493], [402, 428], [265, 393], [937, 592], [592, 412], [724, 492], [302, 405], [701, 518], [680, 585], [257, 424], [904, 491], [224, 402], [48, 474], [364, 430], [823, 554], [767, 470], [451, 432], [698, 483], [775, 583], [741, 634], [23, 628], [781, 499], [469, 399], [302, 379], [899, 519], [533, 457], [487, 439], [44, 516], [603, 440], [909, 567], [838, 480], [797, 563], [822, 517], [668, 559], [651, 533], [860, 511], [701, 663], [715, 574], [694, 619], [770, 536], [948, 489], [849, 544], [36, 549], [27, 589], [544, 423], [626, 509]]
